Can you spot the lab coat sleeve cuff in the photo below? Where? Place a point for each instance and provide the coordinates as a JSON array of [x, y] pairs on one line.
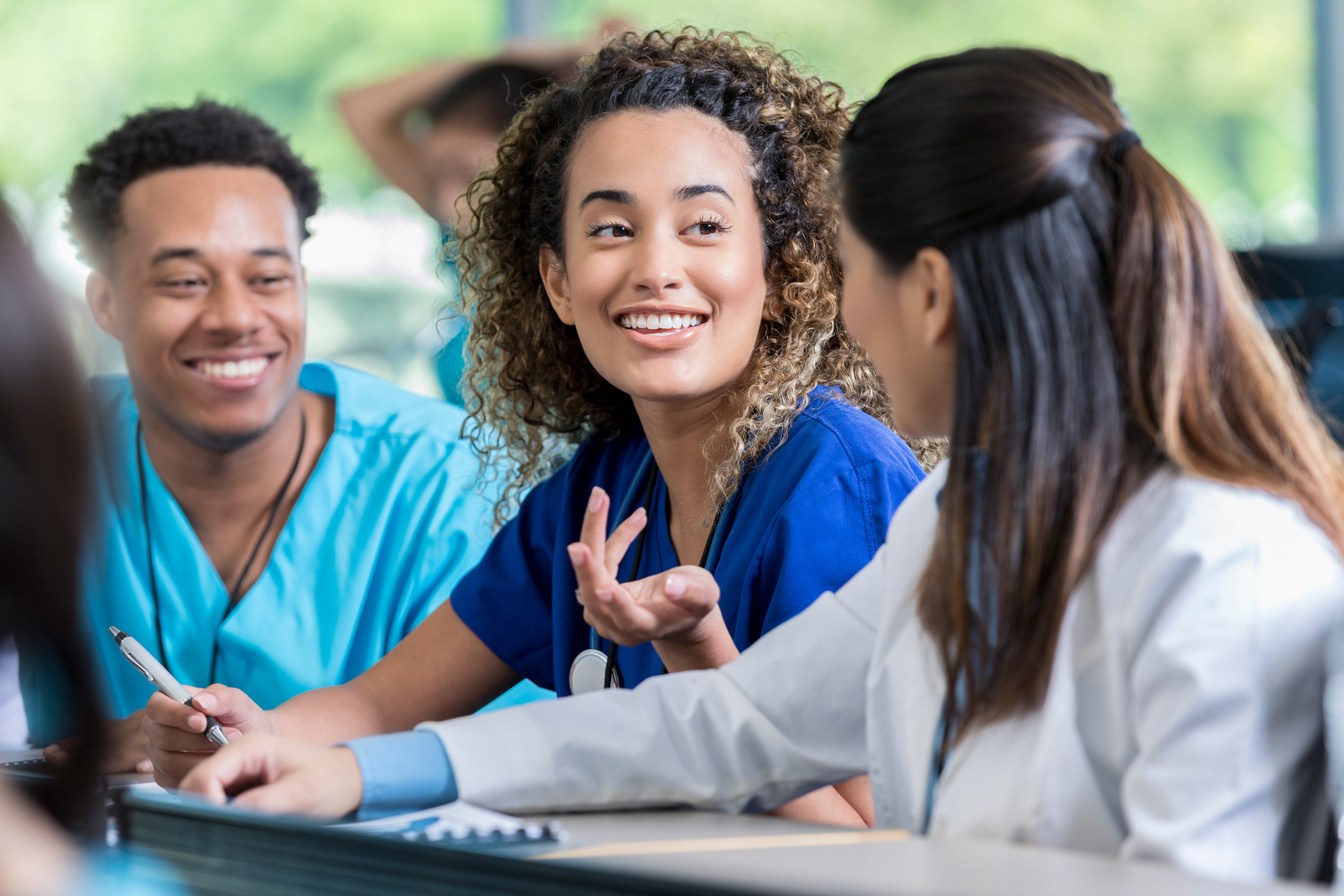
[[404, 771], [503, 760]]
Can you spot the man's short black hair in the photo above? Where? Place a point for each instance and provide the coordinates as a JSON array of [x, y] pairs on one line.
[[161, 139]]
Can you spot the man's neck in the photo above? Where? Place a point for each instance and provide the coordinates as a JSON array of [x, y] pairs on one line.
[[679, 436], [228, 496], [214, 485]]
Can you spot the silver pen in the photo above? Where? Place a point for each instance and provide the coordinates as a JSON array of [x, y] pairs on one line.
[[158, 676]]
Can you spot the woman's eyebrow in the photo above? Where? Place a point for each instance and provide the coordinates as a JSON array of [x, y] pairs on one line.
[[691, 192], [620, 197]]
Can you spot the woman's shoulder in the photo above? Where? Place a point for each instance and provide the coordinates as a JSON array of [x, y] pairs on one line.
[[836, 470], [830, 426], [1185, 508], [1179, 527]]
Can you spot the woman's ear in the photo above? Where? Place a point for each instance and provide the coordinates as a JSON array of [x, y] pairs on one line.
[[773, 309], [557, 285], [939, 288]]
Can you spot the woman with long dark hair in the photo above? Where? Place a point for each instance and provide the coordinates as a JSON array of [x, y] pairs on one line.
[[43, 479], [43, 483], [1100, 624]]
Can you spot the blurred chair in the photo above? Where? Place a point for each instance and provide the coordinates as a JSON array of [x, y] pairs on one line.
[[1301, 293], [1334, 740]]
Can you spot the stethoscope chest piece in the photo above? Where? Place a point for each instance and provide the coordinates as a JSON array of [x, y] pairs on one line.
[[588, 672]]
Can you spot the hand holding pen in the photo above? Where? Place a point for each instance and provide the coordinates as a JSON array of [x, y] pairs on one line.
[[158, 676]]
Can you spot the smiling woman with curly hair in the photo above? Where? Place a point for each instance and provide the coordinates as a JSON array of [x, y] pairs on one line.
[[596, 273], [530, 383], [655, 340]]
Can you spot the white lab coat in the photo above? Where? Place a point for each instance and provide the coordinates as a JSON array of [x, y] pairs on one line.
[[1182, 722]]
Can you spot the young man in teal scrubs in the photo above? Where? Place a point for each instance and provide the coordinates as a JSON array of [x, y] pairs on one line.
[[267, 523]]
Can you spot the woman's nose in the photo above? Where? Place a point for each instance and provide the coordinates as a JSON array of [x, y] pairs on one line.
[[658, 267]]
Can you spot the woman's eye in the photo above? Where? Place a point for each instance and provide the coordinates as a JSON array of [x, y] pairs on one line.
[[708, 228], [617, 230]]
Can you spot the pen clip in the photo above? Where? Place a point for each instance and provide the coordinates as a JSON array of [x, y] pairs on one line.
[[136, 664]]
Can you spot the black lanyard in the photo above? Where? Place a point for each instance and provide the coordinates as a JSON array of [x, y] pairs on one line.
[[235, 593], [612, 667]]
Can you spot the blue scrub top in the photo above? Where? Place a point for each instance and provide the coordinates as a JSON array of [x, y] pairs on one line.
[[388, 521], [807, 518]]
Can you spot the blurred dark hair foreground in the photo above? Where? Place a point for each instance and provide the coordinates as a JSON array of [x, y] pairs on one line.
[[43, 497]]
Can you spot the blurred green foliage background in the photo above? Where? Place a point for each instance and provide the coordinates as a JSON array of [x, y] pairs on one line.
[[1219, 89]]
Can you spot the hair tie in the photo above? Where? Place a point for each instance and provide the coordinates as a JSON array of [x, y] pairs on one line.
[[1118, 144]]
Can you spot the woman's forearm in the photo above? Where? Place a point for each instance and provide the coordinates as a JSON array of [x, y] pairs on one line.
[[441, 670], [331, 715], [823, 806]]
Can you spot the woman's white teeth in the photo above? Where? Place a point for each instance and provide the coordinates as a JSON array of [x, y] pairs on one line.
[[233, 370], [660, 321]]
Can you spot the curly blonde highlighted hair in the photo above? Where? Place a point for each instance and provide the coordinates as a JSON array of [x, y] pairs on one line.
[[530, 390]]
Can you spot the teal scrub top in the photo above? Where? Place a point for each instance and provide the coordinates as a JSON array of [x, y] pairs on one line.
[[388, 521]]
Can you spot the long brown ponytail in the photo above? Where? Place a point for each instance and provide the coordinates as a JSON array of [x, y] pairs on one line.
[[1207, 382]]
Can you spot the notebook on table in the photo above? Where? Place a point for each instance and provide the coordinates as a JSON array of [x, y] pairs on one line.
[[221, 850], [23, 759], [456, 822]]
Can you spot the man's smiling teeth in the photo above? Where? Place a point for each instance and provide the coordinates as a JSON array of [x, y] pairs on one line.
[[233, 370], [660, 321]]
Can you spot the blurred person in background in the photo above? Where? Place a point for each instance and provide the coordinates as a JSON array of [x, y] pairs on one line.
[[275, 524], [43, 513], [432, 130]]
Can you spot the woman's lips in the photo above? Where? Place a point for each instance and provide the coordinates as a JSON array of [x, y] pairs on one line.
[[659, 322]]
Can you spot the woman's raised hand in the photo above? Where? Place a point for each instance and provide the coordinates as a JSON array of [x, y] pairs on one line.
[[680, 606]]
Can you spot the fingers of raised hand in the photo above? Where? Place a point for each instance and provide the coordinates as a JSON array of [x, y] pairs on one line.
[[581, 559], [594, 531], [620, 618], [594, 580], [688, 593], [620, 540]]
